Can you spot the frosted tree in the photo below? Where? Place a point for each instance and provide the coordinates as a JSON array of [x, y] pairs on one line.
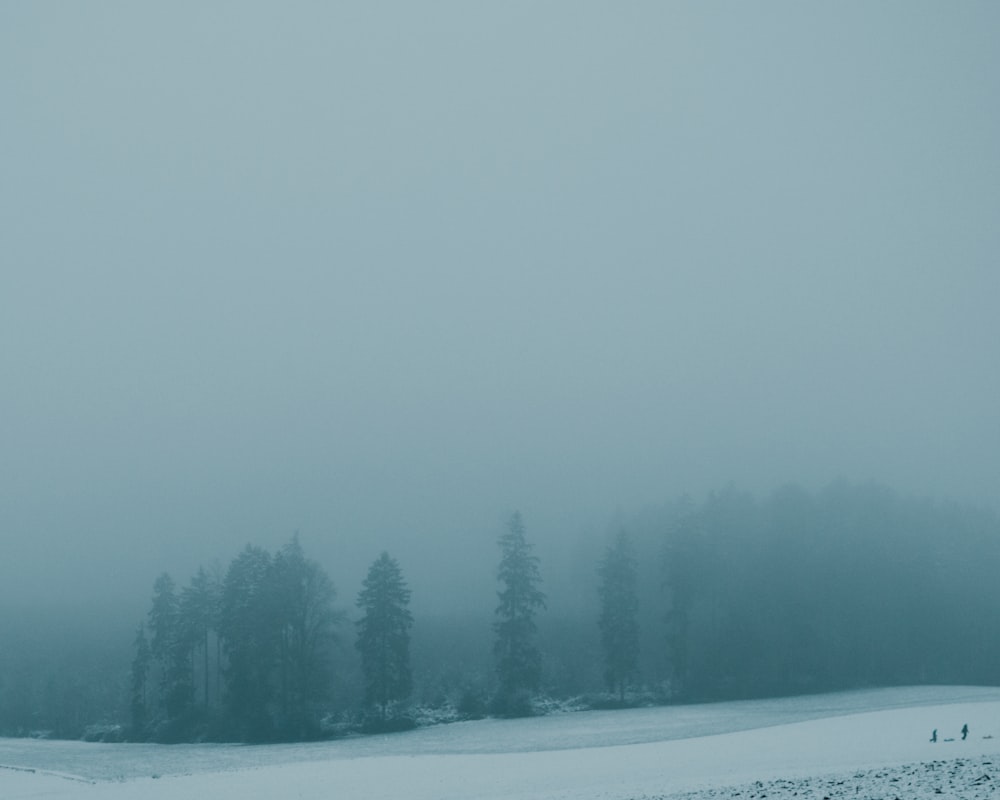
[[384, 635], [517, 657], [618, 620]]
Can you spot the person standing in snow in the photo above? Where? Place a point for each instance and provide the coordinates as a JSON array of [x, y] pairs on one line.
[[965, 732], [934, 735]]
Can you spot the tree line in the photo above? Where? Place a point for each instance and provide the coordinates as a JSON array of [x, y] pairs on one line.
[[248, 654], [731, 597], [850, 587]]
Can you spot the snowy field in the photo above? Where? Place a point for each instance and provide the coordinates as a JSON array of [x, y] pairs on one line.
[[853, 744]]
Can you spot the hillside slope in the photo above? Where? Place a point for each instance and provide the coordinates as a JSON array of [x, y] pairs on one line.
[[585, 756]]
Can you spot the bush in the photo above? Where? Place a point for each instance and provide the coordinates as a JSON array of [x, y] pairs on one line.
[[104, 732], [391, 725], [512, 704], [472, 704]]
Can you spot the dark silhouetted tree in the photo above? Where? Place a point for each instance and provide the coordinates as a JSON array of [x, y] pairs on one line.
[[171, 649], [685, 566], [384, 635], [199, 617], [618, 620], [518, 659], [163, 616], [248, 629], [302, 596], [140, 675]]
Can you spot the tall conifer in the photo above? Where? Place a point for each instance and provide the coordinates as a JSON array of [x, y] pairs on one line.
[[384, 634], [618, 619], [518, 660]]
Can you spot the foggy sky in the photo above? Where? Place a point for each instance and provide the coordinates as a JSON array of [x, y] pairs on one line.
[[383, 273]]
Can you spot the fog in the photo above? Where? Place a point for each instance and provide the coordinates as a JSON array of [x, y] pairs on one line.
[[383, 273]]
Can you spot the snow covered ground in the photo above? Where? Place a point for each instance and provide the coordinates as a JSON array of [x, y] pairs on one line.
[[852, 744]]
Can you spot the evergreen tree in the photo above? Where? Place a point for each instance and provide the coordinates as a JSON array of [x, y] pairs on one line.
[[303, 596], [171, 648], [199, 612], [163, 617], [684, 555], [384, 634], [518, 660], [140, 674], [619, 609], [250, 641]]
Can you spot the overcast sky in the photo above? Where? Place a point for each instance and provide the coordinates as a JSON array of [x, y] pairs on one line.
[[382, 273]]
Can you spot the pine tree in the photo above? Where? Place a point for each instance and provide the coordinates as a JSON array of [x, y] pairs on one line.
[[163, 617], [518, 659], [199, 611], [685, 563], [303, 597], [384, 635], [170, 648], [618, 619], [140, 674], [247, 627]]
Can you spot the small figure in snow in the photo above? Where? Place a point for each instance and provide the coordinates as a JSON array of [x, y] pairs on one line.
[[965, 732], [934, 735]]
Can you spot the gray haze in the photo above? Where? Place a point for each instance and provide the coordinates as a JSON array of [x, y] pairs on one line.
[[382, 273]]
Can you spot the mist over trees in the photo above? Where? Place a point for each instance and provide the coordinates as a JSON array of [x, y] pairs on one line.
[[729, 597], [618, 621], [851, 587]]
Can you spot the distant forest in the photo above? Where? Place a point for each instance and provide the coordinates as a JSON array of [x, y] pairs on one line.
[[731, 597]]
